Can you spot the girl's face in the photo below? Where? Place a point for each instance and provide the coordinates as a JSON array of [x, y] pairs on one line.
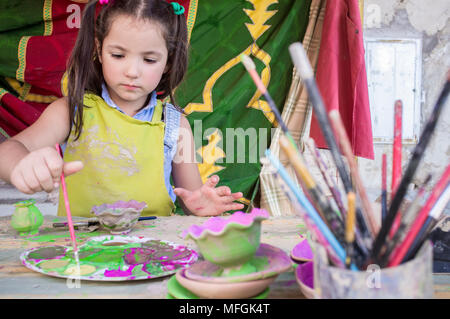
[[133, 58]]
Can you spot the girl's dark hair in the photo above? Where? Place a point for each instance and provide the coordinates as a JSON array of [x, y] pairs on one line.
[[84, 68]]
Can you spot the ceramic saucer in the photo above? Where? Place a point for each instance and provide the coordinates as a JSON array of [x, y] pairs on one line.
[[213, 290], [302, 251], [304, 274], [268, 261], [177, 291]]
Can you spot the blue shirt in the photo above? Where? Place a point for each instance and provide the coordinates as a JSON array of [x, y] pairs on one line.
[[145, 114]]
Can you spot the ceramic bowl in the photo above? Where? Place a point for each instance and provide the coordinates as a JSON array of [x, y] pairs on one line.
[[229, 242], [119, 217], [211, 290], [304, 274]]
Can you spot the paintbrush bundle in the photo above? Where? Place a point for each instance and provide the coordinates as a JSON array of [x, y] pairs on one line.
[[351, 236], [312, 195]]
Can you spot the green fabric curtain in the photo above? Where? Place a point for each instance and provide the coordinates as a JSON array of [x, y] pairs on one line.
[[230, 119]]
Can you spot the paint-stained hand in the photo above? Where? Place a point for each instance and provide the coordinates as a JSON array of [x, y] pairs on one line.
[[40, 170], [209, 200]]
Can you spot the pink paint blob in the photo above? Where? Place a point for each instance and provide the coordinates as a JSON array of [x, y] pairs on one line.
[[168, 265], [217, 225], [119, 273], [302, 251]]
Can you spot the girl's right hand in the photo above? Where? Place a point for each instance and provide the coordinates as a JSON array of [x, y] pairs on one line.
[[41, 170]]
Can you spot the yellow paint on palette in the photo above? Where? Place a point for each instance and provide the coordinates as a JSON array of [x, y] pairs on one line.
[[53, 264], [84, 270]]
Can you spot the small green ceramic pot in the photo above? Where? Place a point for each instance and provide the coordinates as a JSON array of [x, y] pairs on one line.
[[26, 218]]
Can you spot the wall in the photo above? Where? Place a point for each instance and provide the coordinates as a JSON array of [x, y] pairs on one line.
[[429, 21]]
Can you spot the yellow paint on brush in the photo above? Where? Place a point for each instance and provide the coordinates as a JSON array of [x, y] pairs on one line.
[[350, 223]]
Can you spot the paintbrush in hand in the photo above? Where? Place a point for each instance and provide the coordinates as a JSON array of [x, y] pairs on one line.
[[67, 205]]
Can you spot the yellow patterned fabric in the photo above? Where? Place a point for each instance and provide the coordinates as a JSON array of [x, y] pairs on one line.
[[123, 160]]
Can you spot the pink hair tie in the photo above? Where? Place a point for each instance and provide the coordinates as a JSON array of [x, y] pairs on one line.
[[103, 1]]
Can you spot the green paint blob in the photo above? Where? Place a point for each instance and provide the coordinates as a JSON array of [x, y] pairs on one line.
[[83, 254], [52, 238], [152, 268], [138, 271], [106, 256]]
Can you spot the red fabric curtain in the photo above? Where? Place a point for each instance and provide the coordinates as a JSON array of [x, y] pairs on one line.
[[341, 75]]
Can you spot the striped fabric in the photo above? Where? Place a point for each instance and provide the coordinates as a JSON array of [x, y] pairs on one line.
[[297, 116]]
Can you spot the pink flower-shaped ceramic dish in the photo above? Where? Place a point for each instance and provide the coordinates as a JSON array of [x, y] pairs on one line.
[[231, 241]]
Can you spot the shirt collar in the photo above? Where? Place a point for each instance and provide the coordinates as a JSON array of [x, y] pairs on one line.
[[149, 107]]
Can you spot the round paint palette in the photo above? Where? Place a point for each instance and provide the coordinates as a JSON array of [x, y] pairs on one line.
[[268, 261], [111, 258], [177, 291]]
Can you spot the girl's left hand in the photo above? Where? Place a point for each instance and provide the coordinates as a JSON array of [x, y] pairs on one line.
[[209, 200]]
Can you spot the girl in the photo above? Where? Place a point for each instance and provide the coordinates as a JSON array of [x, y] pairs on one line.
[[120, 141]]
